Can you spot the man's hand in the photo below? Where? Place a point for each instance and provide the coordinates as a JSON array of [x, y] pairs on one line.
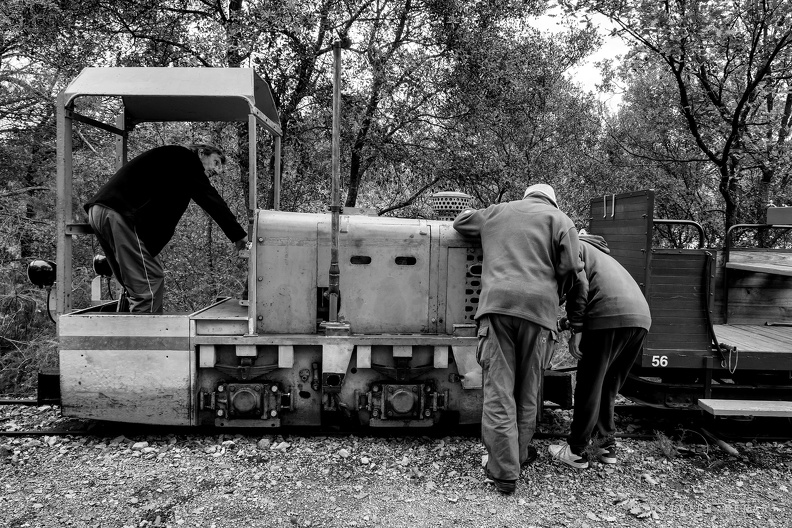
[[241, 244], [574, 345]]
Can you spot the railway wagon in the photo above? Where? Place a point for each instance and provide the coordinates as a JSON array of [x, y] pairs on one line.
[[721, 336], [396, 350]]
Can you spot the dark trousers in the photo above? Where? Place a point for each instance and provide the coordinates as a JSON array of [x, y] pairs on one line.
[[511, 352], [139, 272], [608, 356]]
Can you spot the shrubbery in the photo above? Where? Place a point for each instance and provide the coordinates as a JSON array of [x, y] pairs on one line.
[[27, 335]]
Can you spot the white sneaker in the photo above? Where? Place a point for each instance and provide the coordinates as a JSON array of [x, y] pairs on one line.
[[564, 454]]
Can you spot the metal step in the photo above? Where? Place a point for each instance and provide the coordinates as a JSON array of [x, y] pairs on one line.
[[746, 407]]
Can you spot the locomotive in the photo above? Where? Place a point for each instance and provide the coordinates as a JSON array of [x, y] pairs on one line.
[[387, 340], [369, 320]]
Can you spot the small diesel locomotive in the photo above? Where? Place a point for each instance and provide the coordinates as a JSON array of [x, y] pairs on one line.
[[346, 317]]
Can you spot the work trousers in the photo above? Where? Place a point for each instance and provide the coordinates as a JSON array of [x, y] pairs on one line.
[[607, 358], [512, 353], [140, 273]]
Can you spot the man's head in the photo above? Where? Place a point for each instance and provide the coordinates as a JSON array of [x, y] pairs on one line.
[[212, 157], [541, 189]]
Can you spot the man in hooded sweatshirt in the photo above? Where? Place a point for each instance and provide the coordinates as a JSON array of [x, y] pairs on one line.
[[609, 319], [530, 255]]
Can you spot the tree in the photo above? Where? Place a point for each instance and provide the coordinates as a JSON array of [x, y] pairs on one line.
[[730, 62], [647, 146], [524, 121]]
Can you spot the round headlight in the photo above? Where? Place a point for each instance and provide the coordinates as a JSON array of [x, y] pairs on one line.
[[41, 273], [102, 267]]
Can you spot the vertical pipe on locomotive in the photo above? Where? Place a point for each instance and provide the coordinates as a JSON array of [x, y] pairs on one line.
[[335, 205]]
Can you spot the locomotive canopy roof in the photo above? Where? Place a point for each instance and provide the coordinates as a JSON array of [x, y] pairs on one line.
[[179, 94]]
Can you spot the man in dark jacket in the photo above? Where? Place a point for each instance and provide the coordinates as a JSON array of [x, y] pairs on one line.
[[530, 254], [136, 212], [609, 319]]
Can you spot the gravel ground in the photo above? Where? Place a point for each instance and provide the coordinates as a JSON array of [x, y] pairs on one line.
[[186, 480]]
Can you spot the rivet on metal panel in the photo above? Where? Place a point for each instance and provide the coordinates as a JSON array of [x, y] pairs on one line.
[[260, 279], [260, 317], [261, 239]]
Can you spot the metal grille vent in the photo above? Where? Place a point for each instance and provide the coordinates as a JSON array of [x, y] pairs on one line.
[[472, 283], [447, 205]]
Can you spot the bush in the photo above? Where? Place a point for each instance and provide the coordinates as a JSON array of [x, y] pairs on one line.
[[27, 335]]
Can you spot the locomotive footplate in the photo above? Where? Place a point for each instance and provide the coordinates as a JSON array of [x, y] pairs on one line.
[[247, 404], [394, 405]]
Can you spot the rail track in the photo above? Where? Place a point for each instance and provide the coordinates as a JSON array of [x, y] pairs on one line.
[[634, 421]]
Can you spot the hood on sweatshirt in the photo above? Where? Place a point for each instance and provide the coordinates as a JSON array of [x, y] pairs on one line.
[[596, 241]]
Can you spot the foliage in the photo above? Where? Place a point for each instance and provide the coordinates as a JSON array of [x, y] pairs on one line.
[[521, 120], [731, 63], [26, 335], [647, 147]]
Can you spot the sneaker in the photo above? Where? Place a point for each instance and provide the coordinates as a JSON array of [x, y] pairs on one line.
[[506, 487], [606, 454], [564, 454], [532, 456]]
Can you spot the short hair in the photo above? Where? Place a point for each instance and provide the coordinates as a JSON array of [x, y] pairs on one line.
[[207, 150]]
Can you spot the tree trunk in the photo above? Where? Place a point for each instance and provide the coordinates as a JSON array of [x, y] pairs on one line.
[[356, 169], [728, 189]]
